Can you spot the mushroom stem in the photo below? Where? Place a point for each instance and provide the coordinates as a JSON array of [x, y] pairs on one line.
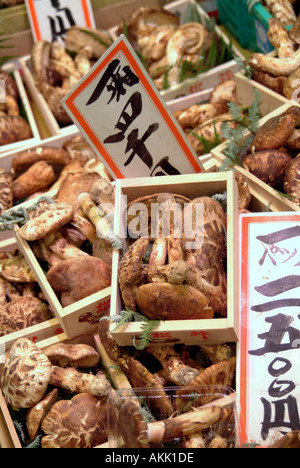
[[74, 381], [176, 371], [184, 424]]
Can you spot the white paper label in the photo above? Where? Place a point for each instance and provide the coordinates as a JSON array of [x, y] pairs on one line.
[[269, 354], [50, 19], [124, 118]]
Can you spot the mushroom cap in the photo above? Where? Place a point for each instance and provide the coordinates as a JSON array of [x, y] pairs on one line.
[[6, 190], [17, 270], [36, 414], [22, 313], [214, 379], [165, 301], [276, 131], [78, 355], [133, 427], [79, 277], [77, 423], [292, 180], [22, 161], [268, 165], [74, 184], [26, 374], [47, 218]]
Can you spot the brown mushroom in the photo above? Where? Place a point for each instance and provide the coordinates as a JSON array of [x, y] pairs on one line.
[[79, 382], [275, 83], [64, 355], [138, 434], [6, 190], [47, 218], [79, 277], [13, 128], [51, 155], [75, 184], [77, 423], [245, 196], [36, 178], [292, 180], [268, 165], [276, 131], [22, 313], [36, 414], [290, 440], [165, 301], [274, 65], [26, 374], [279, 37], [138, 375], [17, 270], [176, 371]]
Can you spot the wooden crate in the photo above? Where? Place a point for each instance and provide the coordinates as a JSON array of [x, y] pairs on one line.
[[276, 201], [12, 69], [205, 80], [36, 333], [8, 434], [270, 100], [187, 331]]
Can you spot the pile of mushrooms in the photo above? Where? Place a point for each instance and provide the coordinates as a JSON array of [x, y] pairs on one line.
[[177, 414], [56, 72], [13, 127], [273, 153], [205, 120], [39, 170], [63, 391], [164, 44], [282, 10], [71, 239], [22, 303], [181, 280], [279, 70]]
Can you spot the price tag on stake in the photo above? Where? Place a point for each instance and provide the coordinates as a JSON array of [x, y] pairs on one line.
[[268, 379], [117, 107], [49, 19]]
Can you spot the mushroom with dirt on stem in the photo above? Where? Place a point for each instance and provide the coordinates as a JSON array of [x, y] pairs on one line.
[[137, 433]]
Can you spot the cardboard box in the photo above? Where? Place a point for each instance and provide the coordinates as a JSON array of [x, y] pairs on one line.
[[276, 201], [12, 69], [186, 331], [205, 80], [36, 333], [8, 434]]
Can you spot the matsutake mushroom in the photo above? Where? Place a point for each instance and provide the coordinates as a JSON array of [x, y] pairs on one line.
[[22, 313], [36, 414], [292, 180], [6, 190], [45, 219], [64, 355], [28, 372], [77, 423], [79, 277], [137, 433]]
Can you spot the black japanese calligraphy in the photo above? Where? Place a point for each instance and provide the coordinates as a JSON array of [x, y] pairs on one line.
[[274, 338], [61, 22], [273, 288], [114, 82], [282, 409]]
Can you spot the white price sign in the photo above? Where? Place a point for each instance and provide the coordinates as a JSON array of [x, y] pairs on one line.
[[268, 380], [50, 19], [124, 118]]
